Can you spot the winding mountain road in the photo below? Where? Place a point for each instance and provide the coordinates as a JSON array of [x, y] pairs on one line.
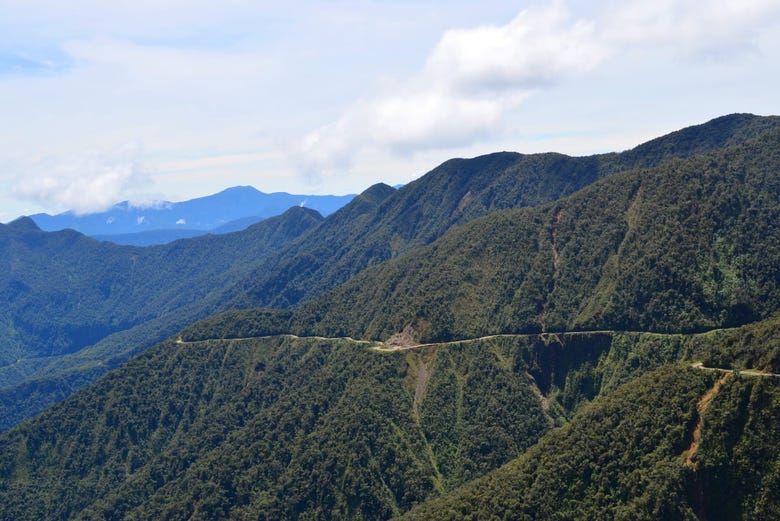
[[388, 348], [741, 372]]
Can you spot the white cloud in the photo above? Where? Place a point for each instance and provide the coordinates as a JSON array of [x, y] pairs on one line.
[[470, 80], [221, 92], [694, 29], [140, 67], [90, 182], [538, 47], [474, 78]]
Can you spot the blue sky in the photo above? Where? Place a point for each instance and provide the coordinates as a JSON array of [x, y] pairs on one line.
[[172, 99]]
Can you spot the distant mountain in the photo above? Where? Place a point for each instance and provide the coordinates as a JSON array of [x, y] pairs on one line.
[[526, 328], [63, 292], [201, 214], [155, 237], [151, 237]]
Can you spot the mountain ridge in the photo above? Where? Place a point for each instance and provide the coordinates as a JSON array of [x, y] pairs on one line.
[[382, 224], [460, 190], [589, 261], [221, 212], [276, 413]]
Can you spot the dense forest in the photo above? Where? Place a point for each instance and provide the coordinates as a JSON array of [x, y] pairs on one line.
[[74, 307], [124, 300], [676, 443], [289, 427], [456, 192], [689, 246], [509, 337]]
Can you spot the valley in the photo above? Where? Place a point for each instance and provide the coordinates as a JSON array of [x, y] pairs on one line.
[[510, 336]]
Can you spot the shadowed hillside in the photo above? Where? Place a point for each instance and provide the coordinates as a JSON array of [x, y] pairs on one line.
[[688, 246], [456, 192]]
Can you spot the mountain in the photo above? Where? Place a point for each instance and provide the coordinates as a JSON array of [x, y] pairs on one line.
[[58, 340], [156, 237], [676, 443], [151, 237], [227, 208], [456, 192], [688, 246], [285, 427], [607, 355], [63, 292]]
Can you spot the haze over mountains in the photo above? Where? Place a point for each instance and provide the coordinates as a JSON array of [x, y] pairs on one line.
[[230, 210], [550, 292]]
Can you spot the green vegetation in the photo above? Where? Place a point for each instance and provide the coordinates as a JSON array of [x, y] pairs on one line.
[[618, 459], [624, 457], [455, 193], [63, 293], [628, 454], [755, 347], [688, 246], [280, 425], [287, 427], [561, 384], [74, 308]]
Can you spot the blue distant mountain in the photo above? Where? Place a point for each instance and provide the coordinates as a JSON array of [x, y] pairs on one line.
[[230, 210]]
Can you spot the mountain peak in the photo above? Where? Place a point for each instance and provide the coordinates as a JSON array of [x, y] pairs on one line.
[[23, 223], [301, 210], [723, 131], [377, 193]]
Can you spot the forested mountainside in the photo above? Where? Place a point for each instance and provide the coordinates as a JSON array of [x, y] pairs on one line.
[[456, 192], [312, 428], [688, 246], [677, 443], [559, 375], [62, 292], [379, 224]]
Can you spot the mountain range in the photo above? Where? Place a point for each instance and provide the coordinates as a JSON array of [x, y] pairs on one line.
[[510, 336], [230, 210]]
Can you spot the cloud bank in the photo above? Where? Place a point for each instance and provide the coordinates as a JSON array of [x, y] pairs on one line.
[[470, 80], [257, 92], [86, 183], [473, 78]]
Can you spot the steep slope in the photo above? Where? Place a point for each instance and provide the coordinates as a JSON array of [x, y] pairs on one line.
[[284, 427], [677, 443], [63, 292], [379, 224], [254, 427], [273, 427], [688, 246], [456, 192]]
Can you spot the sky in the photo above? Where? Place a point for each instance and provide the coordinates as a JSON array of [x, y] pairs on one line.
[[146, 100]]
